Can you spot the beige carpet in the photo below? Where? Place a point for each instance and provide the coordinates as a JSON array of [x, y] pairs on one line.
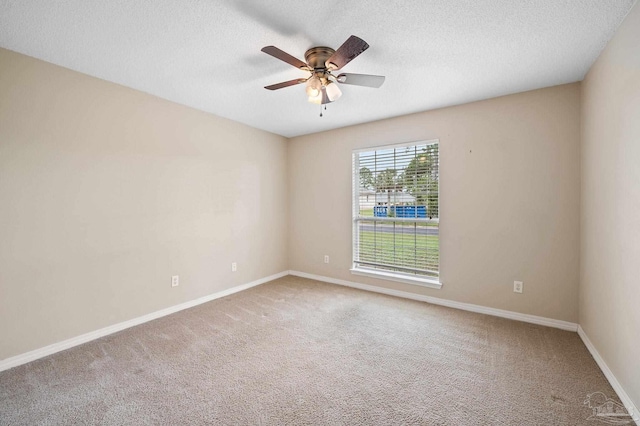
[[297, 351]]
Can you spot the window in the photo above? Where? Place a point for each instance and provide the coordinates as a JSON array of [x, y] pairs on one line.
[[395, 213]]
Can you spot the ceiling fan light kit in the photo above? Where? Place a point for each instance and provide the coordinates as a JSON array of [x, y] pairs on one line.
[[322, 86]]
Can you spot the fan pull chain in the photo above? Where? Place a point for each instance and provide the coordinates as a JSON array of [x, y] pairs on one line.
[[320, 110]]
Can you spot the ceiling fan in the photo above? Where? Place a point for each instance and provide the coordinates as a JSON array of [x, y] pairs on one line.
[[321, 62]]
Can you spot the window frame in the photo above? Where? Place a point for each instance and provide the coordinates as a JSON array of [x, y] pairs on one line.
[[423, 281]]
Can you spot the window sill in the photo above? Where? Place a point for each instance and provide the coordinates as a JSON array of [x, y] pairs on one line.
[[423, 282]]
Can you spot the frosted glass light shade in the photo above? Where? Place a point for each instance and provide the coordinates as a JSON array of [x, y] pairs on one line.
[[333, 91], [316, 99], [313, 87]]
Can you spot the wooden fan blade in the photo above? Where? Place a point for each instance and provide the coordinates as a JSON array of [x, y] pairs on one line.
[[345, 53], [286, 84], [361, 79], [284, 56]]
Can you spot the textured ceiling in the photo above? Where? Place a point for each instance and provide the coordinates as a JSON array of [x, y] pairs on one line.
[[206, 53]]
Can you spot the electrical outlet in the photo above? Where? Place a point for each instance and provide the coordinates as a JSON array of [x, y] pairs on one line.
[[234, 267], [326, 258], [518, 286], [175, 281]]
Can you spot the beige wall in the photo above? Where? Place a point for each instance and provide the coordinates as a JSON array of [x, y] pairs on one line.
[[510, 184], [610, 225], [105, 192]]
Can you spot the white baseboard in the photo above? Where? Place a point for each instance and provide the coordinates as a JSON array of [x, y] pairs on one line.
[[533, 319], [624, 397], [8, 363]]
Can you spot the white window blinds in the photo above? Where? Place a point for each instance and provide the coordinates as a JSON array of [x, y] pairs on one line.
[[396, 215]]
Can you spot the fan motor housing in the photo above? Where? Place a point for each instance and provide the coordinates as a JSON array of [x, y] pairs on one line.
[[317, 56]]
